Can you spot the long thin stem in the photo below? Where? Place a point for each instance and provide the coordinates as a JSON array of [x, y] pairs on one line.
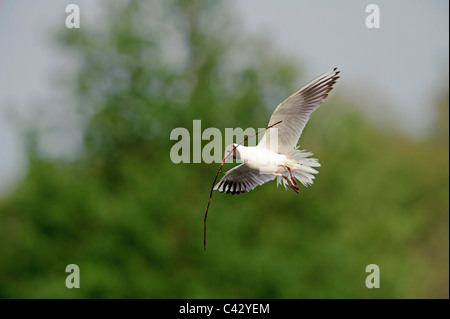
[[217, 174]]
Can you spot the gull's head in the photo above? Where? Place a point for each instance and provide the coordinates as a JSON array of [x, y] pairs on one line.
[[230, 153]]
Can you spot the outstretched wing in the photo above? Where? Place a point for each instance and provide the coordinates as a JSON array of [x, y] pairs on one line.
[[295, 111], [241, 179]]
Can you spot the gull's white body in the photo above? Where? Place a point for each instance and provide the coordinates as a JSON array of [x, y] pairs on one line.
[[277, 156], [263, 159]]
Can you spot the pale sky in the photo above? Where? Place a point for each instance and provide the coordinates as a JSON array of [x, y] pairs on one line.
[[400, 65]]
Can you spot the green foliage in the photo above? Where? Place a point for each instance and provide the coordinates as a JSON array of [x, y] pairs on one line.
[[133, 221]]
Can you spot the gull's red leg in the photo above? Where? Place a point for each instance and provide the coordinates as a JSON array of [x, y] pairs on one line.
[[294, 187], [292, 177]]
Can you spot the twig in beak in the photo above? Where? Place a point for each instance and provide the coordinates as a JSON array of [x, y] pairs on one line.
[[220, 171]]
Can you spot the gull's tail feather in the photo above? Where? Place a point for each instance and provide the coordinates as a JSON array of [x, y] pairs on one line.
[[303, 167]]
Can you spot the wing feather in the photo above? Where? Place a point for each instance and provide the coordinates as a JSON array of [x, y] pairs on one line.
[[241, 179], [295, 111]]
